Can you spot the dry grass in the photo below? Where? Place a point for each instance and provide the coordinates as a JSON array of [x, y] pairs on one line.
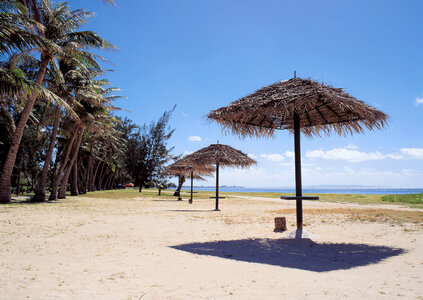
[[390, 216]]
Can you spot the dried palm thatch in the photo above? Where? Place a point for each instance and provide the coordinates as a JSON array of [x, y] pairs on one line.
[[220, 154], [299, 105], [186, 171], [184, 167], [321, 108]]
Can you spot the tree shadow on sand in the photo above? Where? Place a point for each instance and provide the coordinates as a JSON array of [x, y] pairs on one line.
[[298, 254]]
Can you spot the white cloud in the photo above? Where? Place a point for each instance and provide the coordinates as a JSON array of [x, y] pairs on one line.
[[273, 157], [194, 138], [253, 156], [289, 154], [348, 153], [419, 100], [412, 153], [395, 156]]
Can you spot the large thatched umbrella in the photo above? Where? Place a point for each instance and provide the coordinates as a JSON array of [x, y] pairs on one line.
[[220, 156], [183, 167], [299, 105]]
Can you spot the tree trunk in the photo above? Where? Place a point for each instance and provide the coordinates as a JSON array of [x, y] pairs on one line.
[[74, 183], [100, 176], [17, 136], [53, 194], [112, 185], [82, 174], [89, 171], [18, 183], [108, 179], [180, 183], [40, 193], [62, 191], [94, 176]]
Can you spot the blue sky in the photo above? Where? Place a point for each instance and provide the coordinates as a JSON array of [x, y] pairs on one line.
[[202, 55]]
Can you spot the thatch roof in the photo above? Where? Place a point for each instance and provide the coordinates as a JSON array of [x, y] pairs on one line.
[[222, 154], [322, 109], [185, 167], [186, 171]]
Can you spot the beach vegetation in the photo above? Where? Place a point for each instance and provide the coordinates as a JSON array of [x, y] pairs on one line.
[[406, 198], [58, 129]]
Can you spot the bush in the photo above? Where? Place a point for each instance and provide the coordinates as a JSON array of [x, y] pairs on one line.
[[406, 198]]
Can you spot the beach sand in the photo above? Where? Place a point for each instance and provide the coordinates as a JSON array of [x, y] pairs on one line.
[[87, 248]]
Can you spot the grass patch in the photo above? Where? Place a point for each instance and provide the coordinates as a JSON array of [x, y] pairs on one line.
[[350, 198], [146, 193], [128, 194], [406, 198], [390, 216]]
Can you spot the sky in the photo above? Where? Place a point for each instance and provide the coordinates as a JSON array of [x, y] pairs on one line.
[[202, 55]]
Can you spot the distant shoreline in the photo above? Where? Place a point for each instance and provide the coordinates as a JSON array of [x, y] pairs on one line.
[[334, 190]]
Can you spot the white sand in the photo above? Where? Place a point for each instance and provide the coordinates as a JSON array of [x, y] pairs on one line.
[[142, 249]]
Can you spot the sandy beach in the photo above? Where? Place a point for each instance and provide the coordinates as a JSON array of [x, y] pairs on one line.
[[144, 248]]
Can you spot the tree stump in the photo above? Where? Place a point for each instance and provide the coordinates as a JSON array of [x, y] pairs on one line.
[[280, 224]]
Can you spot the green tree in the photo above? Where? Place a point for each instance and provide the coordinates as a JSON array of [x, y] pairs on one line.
[[149, 151], [59, 36]]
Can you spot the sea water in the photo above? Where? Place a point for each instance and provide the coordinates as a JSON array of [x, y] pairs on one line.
[[380, 191]]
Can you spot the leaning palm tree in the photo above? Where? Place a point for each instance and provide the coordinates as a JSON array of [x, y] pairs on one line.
[[14, 20], [59, 36], [69, 75]]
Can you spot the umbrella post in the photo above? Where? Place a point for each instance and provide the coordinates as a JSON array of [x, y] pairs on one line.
[[298, 185], [192, 179], [217, 186]]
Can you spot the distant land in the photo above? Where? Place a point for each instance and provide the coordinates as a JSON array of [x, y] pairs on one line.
[[293, 187]]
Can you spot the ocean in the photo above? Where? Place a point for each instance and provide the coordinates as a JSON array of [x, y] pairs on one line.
[[380, 191]]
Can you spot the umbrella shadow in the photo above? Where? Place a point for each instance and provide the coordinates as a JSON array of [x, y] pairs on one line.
[[192, 210], [298, 254], [167, 200]]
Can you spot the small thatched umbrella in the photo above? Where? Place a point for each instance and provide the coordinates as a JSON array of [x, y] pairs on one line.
[[299, 105], [183, 167], [220, 155]]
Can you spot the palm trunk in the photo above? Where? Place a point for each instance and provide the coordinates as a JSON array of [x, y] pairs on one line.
[[74, 183], [83, 173], [102, 175], [62, 191], [40, 193], [17, 136], [94, 176], [18, 183], [89, 171], [99, 176], [109, 178], [53, 194]]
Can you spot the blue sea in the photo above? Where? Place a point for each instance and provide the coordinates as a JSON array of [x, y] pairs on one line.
[[380, 191]]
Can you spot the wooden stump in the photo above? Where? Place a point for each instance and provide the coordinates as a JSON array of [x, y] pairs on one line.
[[280, 224]]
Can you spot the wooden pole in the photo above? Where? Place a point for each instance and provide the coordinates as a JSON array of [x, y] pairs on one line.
[[217, 186], [298, 186], [192, 181]]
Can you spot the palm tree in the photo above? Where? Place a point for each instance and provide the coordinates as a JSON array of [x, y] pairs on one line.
[[69, 75], [59, 36]]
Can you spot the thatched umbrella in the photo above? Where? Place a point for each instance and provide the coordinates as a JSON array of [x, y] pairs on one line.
[[299, 105], [220, 155], [183, 167]]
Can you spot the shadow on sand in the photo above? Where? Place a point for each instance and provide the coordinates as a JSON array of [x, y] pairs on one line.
[[298, 254], [192, 210]]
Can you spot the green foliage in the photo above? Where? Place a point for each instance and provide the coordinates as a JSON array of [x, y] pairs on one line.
[[406, 198], [147, 149]]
